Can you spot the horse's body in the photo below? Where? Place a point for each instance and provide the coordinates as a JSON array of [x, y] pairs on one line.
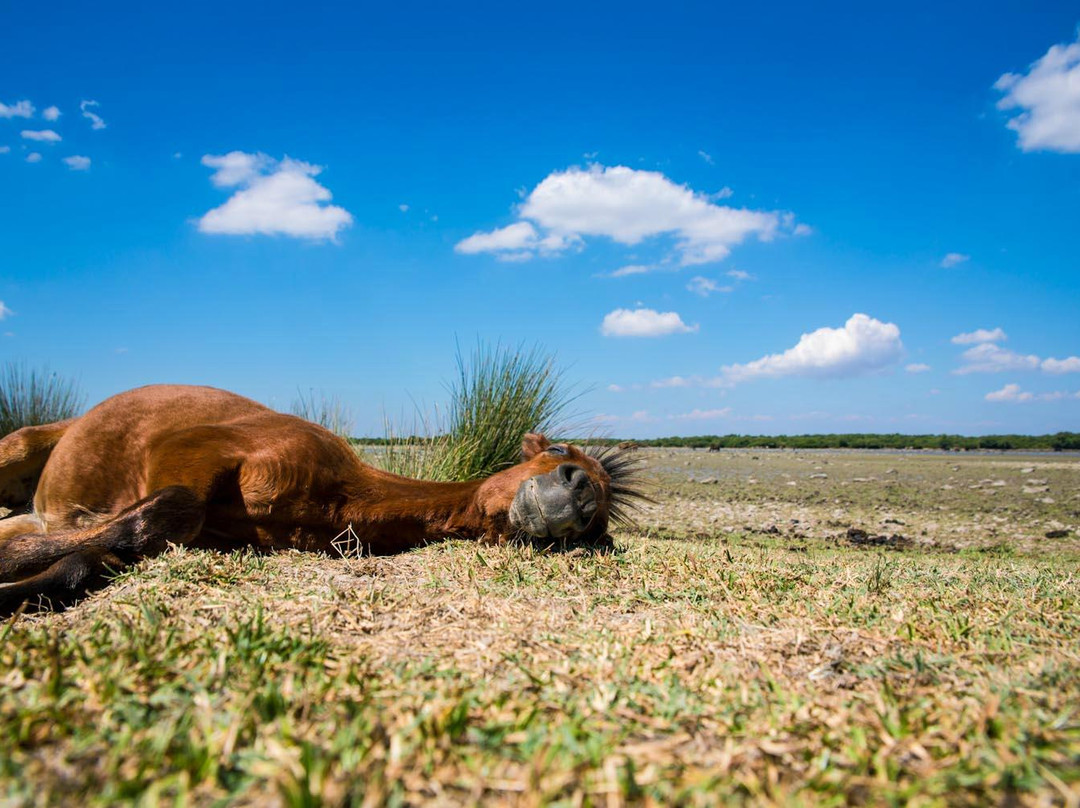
[[207, 468]]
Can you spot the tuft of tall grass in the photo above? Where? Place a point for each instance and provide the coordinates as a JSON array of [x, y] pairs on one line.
[[326, 411], [30, 397], [498, 395]]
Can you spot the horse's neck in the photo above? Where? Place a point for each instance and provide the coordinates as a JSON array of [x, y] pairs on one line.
[[398, 510]]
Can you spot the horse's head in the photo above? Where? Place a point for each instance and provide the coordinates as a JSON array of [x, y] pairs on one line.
[[561, 491]]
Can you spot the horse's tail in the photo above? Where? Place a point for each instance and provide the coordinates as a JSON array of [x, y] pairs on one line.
[[23, 455]]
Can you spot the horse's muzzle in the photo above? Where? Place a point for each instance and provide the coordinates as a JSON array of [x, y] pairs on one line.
[[558, 504]]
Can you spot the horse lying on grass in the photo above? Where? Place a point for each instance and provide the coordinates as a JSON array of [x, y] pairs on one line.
[[206, 468]]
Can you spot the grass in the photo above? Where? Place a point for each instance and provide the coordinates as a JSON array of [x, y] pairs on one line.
[[499, 394], [700, 663], [30, 397], [326, 411]]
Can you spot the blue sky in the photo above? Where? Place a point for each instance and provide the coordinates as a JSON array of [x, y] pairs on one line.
[[761, 220]]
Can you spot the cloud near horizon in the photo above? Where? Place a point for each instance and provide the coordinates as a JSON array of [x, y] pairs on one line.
[[1048, 97], [644, 323], [627, 206], [988, 357], [863, 345], [1012, 393], [274, 198], [980, 335]]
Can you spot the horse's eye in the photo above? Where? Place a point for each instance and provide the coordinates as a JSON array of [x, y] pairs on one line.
[[556, 450]]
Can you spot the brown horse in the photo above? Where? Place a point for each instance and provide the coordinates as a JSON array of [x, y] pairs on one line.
[[206, 468]]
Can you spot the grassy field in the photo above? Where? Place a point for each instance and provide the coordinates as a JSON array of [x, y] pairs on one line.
[[902, 630]]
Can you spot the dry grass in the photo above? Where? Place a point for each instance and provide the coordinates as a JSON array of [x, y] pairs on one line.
[[701, 662]]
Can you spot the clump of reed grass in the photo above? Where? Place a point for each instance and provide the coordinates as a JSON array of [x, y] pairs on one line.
[[34, 396], [498, 395], [326, 411]]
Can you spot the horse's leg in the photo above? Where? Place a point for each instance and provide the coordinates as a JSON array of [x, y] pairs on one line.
[[63, 566]]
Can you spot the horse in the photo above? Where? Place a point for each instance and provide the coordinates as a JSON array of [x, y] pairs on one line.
[[206, 468]]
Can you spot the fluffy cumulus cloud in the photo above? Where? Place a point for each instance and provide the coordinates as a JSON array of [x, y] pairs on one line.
[[862, 345], [643, 323], [4, 311], [980, 335], [20, 109], [916, 367], [33, 157], [273, 197], [1048, 99], [51, 113], [627, 206], [988, 357], [77, 162], [954, 259], [41, 135], [87, 109], [5, 149], [1013, 394]]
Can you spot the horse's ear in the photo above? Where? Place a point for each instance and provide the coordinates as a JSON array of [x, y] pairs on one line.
[[532, 445]]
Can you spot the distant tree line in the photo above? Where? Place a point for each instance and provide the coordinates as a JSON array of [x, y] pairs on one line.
[[1058, 442]]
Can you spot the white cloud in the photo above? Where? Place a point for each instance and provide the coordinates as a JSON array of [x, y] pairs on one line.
[[1012, 393], [5, 149], [516, 242], [33, 157], [704, 287], [708, 158], [77, 162], [917, 367], [41, 135], [802, 230], [93, 117], [616, 388], [51, 113], [20, 109], [643, 323], [236, 167], [990, 358], [702, 415], [1048, 97], [1068, 365], [739, 275], [863, 345], [403, 208], [628, 206], [632, 269], [953, 259], [674, 381], [274, 198], [980, 335], [4, 311]]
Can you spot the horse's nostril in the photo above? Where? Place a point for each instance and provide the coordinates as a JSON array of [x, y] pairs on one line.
[[570, 475]]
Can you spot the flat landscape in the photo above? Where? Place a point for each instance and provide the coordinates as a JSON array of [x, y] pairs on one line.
[[812, 627]]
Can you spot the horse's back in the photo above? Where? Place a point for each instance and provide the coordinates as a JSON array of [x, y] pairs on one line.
[[100, 464]]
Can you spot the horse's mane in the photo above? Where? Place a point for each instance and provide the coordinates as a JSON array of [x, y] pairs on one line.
[[624, 468]]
